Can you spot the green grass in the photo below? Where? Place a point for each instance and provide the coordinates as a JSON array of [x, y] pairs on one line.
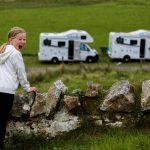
[[98, 19], [91, 138], [76, 76]]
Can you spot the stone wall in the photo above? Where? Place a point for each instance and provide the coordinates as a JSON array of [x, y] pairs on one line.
[[57, 111]]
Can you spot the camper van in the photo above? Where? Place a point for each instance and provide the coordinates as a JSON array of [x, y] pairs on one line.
[[127, 46], [66, 46]]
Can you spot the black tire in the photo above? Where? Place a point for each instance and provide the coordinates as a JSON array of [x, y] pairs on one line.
[[89, 59], [126, 58], [55, 60]]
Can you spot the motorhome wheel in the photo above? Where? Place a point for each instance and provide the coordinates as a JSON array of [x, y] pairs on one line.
[[89, 59], [55, 60], [126, 58]]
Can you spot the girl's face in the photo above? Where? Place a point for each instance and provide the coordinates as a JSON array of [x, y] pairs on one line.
[[18, 41]]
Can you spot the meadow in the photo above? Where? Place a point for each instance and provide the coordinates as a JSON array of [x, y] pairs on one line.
[[88, 138], [98, 17]]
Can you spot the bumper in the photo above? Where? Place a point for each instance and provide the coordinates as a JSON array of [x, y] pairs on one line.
[[95, 58]]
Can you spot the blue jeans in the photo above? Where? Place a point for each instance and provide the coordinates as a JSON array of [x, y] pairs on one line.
[[6, 103]]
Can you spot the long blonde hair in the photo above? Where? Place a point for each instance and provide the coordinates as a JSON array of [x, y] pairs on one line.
[[13, 32]]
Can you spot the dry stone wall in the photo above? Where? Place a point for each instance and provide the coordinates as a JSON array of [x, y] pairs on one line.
[[56, 112]]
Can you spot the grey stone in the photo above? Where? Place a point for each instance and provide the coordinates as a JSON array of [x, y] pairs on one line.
[[120, 97], [62, 122], [92, 89], [22, 104], [71, 102], [53, 96], [145, 96], [39, 105]]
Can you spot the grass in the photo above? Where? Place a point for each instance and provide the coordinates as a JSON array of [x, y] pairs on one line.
[[77, 75], [91, 138], [98, 19]]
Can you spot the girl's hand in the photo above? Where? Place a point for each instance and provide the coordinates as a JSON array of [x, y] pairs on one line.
[[33, 89]]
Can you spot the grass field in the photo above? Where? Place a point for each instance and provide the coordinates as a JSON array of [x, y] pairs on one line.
[[88, 139], [98, 18]]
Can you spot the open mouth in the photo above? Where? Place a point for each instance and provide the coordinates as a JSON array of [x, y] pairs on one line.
[[20, 46]]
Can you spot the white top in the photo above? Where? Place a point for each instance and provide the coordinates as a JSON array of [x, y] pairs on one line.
[[138, 33], [70, 35], [12, 71]]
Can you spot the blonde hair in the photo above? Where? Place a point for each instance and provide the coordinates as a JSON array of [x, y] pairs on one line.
[[13, 32]]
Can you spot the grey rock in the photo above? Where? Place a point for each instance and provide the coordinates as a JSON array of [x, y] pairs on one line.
[[39, 105], [62, 122], [71, 102], [53, 96], [120, 97], [22, 104], [92, 89], [145, 96]]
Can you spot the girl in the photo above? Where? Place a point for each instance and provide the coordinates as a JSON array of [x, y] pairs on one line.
[[12, 72]]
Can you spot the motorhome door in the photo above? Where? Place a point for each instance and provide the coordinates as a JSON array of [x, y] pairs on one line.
[[142, 48], [71, 50], [76, 50]]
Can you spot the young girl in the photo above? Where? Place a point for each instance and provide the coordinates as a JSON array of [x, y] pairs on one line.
[[12, 73]]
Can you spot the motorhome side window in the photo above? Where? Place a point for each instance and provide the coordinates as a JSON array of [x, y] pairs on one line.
[[119, 40], [47, 42], [61, 43], [133, 42], [83, 37]]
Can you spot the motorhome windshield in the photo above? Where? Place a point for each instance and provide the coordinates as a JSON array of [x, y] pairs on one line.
[[84, 47]]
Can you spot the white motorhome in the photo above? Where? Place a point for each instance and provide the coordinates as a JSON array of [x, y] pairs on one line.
[[66, 46], [132, 45]]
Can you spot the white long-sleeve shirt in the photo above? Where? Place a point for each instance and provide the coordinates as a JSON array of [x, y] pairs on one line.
[[12, 71]]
